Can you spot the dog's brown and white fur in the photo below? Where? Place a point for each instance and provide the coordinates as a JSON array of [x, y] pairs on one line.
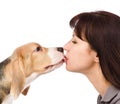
[[25, 64]]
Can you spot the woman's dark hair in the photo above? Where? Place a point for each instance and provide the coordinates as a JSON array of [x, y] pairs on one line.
[[101, 29]]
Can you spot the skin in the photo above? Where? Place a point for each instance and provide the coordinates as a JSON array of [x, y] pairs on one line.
[[81, 58]]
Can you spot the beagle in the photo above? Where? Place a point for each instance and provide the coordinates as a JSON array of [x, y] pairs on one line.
[[25, 64]]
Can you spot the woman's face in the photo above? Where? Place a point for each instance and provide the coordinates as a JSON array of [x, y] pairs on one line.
[[79, 55]]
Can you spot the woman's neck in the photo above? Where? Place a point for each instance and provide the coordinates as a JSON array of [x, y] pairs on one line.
[[98, 80]]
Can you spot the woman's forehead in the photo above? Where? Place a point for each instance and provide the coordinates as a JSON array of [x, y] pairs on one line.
[[80, 35]]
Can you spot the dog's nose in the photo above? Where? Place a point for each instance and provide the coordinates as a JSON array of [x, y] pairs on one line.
[[60, 49]]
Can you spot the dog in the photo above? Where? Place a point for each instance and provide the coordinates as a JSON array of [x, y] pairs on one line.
[[25, 64]]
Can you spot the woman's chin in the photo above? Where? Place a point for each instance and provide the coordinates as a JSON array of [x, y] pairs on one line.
[[69, 69]]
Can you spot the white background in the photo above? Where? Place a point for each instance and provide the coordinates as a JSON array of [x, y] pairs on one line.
[[47, 22]]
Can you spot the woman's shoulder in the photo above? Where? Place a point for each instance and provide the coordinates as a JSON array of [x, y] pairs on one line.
[[112, 96], [117, 98]]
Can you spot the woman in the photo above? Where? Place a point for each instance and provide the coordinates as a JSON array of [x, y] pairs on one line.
[[94, 51]]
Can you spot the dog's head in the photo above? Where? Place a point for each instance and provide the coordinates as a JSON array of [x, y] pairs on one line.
[[31, 60], [37, 59]]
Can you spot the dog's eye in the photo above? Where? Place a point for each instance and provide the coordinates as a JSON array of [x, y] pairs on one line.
[[38, 49]]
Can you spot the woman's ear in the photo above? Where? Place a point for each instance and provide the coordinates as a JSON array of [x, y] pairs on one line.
[[95, 56]]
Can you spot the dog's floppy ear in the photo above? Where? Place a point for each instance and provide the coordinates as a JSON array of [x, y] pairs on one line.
[[18, 78], [25, 91]]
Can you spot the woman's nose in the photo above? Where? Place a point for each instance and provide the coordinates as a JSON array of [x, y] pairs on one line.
[[65, 47]]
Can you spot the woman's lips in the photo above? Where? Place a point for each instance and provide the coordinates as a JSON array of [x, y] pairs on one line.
[[65, 58]]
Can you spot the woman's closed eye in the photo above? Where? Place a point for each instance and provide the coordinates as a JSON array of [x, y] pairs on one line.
[[74, 41]]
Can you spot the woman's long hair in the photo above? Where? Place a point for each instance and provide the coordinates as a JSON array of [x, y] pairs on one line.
[[101, 30]]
